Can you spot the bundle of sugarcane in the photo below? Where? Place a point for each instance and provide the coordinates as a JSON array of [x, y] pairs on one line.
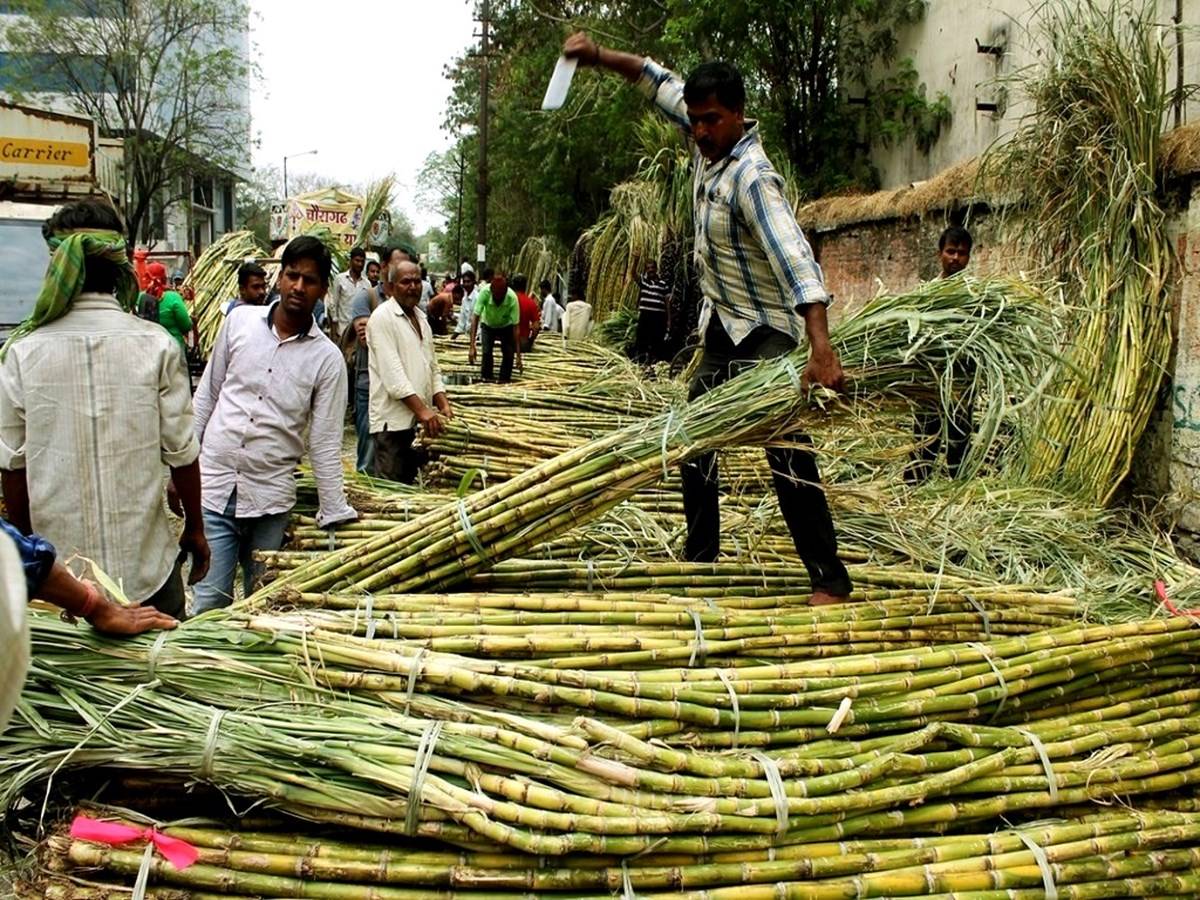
[[902, 346], [1116, 853], [555, 762], [620, 244], [629, 638], [619, 331], [214, 281], [375, 206], [539, 259], [1086, 160], [552, 365]]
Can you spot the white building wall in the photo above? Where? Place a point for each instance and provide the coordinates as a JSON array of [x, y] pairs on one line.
[[943, 47]]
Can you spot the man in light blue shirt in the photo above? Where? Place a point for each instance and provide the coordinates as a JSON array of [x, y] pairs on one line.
[[763, 292]]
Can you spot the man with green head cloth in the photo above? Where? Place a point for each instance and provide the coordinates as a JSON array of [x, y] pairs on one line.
[[95, 408]]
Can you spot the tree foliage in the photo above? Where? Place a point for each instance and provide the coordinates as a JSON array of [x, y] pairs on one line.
[[823, 78], [164, 75]]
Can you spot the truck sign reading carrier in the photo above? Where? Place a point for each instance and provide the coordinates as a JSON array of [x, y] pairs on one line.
[[46, 159], [39, 146]]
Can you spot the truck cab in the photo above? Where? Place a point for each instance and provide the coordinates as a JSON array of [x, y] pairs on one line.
[[47, 159]]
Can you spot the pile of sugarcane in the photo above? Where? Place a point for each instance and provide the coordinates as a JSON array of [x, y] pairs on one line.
[[539, 259], [680, 777], [214, 280], [1086, 159]]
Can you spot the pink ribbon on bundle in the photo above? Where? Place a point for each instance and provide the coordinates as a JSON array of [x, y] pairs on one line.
[[177, 852], [1160, 588]]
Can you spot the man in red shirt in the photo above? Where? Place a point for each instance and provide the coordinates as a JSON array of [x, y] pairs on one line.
[[531, 313]]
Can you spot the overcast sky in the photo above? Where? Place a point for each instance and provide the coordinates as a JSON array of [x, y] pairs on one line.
[[325, 66]]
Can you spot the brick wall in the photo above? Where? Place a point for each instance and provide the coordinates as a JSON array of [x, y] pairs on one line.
[[898, 254]]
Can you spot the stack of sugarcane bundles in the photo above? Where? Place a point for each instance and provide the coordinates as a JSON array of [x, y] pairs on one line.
[[686, 759]]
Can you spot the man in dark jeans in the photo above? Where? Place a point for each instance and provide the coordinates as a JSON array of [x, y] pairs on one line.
[[763, 291], [497, 317], [793, 471]]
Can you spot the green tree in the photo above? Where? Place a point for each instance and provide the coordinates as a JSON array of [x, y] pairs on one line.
[[163, 75], [823, 78], [822, 75], [550, 173]]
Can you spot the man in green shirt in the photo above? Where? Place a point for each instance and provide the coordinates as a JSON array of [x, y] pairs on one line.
[[497, 317], [173, 316]]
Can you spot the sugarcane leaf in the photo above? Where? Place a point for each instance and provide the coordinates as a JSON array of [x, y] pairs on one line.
[[464, 483]]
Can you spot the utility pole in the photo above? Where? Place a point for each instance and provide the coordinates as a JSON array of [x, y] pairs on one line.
[[1179, 79], [458, 223], [481, 202]]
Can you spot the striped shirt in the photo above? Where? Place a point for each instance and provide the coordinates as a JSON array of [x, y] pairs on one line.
[[755, 265], [652, 294]]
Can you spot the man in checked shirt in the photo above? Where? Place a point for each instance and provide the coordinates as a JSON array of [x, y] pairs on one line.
[[763, 292]]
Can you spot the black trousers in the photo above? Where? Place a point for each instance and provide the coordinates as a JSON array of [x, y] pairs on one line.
[[793, 471], [651, 335], [395, 457], [507, 352], [170, 597]]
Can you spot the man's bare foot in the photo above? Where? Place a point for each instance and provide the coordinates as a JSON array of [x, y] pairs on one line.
[[821, 598]]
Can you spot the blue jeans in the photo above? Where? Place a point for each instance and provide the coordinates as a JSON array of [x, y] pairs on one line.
[[232, 540], [362, 428]]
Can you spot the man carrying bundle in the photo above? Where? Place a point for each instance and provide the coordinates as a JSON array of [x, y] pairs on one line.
[[273, 379], [763, 292], [406, 386], [95, 406]]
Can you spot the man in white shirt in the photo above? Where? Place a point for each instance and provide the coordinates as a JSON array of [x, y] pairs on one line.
[[577, 320], [470, 292], [342, 291], [95, 407], [551, 310], [273, 377], [405, 382]]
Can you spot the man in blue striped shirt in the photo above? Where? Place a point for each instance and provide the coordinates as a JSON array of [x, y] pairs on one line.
[[763, 291]]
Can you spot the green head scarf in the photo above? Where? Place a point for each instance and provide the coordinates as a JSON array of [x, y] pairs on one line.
[[64, 276]]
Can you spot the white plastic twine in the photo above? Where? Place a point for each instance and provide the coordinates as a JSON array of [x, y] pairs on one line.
[[414, 673], [987, 656], [210, 744], [367, 612], [699, 646], [1043, 863], [733, 702], [778, 792], [472, 538], [1040, 748], [428, 743], [627, 892], [152, 656]]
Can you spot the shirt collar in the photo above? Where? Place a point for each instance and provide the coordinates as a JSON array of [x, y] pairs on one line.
[[94, 300], [314, 330], [749, 139]]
